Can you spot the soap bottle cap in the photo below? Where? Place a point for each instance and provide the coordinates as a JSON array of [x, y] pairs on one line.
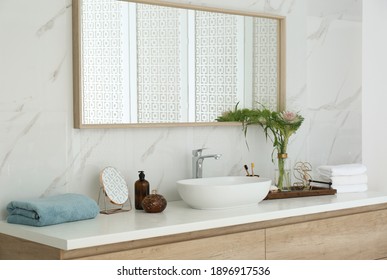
[[141, 175]]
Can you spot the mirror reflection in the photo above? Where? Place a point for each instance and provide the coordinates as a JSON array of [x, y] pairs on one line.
[[139, 63]]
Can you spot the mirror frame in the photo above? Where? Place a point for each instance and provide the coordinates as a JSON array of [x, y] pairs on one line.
[[77, 65]]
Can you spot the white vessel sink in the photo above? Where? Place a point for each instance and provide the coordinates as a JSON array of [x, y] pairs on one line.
[[223, 192]]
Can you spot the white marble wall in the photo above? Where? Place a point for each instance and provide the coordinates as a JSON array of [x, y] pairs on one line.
[[334, 81], [41, 154], [374, 91]]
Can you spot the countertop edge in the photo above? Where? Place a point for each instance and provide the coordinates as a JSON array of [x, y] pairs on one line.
[[267, 210]]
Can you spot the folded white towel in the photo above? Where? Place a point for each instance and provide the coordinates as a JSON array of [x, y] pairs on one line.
[[342, 170], [351, 188], [348, 180]]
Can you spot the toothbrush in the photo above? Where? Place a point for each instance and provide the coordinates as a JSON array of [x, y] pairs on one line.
[[247, 170], [252, 169]]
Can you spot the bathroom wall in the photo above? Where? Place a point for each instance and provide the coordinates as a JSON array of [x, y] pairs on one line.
[[41, 154], [334, 81], [375, 91]]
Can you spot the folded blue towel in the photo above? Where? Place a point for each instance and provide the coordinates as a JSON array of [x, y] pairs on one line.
[[52, 210]]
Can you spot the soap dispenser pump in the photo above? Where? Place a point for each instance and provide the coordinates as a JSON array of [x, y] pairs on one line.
[[141, 190]]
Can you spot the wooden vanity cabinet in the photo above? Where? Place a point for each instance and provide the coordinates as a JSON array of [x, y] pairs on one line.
[[356, 236], [244, 245], [356, 233]]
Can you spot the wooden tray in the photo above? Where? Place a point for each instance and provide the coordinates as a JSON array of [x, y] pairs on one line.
[[315, 191]]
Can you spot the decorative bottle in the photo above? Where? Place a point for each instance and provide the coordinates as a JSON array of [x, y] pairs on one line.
[[141, 190]]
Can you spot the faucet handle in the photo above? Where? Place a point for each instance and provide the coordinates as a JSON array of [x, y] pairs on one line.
[[198, 152]]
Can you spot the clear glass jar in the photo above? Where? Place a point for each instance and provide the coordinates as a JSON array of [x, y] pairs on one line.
[[283, 172]]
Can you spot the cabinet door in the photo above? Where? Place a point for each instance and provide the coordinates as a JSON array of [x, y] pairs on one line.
[[357, 236], [245, 245]]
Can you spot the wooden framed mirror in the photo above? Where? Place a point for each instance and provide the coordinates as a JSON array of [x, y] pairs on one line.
[[152, 63]]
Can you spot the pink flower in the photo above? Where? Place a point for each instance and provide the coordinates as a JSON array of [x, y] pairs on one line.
[[289, 116]]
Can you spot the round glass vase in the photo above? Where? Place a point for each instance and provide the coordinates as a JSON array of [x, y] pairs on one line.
[[282, 172]]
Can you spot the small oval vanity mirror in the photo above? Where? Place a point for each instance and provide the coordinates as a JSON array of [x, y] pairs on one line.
[[114, 185]]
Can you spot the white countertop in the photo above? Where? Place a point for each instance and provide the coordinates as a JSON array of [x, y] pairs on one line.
[[179, 218]]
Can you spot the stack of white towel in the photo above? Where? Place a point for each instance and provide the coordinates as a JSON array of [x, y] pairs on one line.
[[345, 177]]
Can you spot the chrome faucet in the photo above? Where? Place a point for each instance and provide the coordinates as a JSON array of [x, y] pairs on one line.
[[197, 162]]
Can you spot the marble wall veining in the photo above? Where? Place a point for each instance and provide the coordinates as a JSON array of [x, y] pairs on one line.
[[375, 91], [334, 90], [42, 154]]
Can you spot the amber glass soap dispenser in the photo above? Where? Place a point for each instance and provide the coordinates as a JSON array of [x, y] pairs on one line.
[[141, 190]]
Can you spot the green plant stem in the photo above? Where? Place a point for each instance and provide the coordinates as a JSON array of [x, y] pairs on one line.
[[281, 173]]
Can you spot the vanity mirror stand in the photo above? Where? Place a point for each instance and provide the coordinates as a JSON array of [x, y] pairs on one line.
[[113, 192]]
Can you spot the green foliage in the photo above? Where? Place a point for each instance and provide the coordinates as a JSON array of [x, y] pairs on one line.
[[278, 126]]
